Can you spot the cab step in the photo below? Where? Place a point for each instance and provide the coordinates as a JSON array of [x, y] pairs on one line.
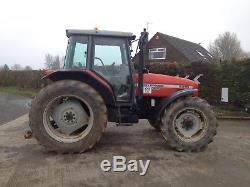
[[124, 124]]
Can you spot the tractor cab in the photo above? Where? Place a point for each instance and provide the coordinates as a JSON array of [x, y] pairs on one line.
[[106, 53]]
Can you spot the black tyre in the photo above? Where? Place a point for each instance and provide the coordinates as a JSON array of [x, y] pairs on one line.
[[68, 117], [189, 124], [156, 125]]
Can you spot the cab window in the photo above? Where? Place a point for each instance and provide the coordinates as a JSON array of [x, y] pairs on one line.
[[77, 52]]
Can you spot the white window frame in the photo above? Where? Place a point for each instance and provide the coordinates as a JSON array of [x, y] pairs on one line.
[[157, 50], [200, 53], [210, 55]]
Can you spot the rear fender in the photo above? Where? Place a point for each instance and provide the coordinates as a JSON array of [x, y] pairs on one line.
[[86, 76], [166, 102]]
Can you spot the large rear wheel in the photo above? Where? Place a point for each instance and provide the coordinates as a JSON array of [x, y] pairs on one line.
[[189, 124], [68, 117]]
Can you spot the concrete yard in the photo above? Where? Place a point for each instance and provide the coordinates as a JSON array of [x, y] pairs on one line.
[[226, 162], [12, 106]]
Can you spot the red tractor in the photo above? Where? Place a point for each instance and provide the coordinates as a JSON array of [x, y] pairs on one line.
[[99, 84]]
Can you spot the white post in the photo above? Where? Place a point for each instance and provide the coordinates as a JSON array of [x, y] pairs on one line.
[[224, 95]]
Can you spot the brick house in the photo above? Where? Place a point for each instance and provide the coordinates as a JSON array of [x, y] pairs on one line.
[[163, 48]]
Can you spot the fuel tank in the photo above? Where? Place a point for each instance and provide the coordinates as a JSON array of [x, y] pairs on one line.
[[158, 85]]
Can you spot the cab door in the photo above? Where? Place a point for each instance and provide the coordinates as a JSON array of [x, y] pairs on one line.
[[110, 60]]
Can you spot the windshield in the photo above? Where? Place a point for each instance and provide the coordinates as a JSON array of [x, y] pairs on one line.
[[77, 50]]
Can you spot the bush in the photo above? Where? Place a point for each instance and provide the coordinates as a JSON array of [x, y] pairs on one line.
[[21, 79]]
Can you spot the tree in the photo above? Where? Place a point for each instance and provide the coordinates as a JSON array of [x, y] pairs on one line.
[[226, 47], [57, 62], [16, 67], [5, 67], [52, 62], [27, 68]]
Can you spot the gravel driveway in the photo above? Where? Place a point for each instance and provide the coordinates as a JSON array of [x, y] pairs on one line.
[[226, 162], [12, 107]]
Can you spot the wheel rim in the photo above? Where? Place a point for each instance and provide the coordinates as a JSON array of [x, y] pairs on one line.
[[190, 125], [68, 118]]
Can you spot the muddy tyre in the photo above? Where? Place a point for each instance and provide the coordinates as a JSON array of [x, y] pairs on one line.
[[68, 117], [189, 124]]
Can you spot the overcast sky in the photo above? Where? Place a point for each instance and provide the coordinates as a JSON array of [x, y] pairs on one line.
[[30, 29]]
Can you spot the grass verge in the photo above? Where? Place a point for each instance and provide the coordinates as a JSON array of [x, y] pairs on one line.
[[230, 111], [18, 91]]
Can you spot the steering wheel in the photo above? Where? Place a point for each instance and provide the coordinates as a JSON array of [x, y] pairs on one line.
[[102, 64]]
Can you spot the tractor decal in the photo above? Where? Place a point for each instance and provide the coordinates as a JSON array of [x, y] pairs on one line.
[[148, 88]]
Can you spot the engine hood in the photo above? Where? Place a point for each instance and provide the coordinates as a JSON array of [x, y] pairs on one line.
[[159, 85], [152, 78]]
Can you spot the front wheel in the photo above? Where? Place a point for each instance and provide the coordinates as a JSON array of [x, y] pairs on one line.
[[189, 124]]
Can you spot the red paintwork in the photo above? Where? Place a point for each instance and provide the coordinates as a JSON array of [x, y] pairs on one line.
[[172, 84], [49, 73], [169, 81]]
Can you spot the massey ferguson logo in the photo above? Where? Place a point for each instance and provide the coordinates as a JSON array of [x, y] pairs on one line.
[[148, 88]]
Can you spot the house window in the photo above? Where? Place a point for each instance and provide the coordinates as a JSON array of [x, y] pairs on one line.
[[200, 53], [157, 53], [210, 55]]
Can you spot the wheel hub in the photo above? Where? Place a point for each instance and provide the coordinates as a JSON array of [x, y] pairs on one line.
[[188, 124], [70, 116]]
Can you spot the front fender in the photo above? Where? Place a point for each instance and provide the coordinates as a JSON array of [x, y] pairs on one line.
[[166, 102]]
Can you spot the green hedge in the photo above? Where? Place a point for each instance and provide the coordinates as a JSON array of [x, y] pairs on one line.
[[21, 79]]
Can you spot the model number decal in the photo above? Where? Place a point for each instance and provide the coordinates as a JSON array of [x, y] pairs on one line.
[[148, 88]]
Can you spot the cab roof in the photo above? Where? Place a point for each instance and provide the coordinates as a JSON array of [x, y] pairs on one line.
[[71, 32]]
